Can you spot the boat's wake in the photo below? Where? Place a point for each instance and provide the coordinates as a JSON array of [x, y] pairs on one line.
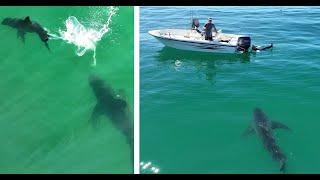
[[84, 38]]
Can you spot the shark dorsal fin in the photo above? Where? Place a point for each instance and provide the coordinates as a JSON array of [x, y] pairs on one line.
[[27, 19]]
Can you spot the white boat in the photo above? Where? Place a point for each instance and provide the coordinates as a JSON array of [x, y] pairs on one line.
[[193, 40]]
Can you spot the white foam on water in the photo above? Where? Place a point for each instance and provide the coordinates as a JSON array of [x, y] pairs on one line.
[[177, 65], [84, 38]]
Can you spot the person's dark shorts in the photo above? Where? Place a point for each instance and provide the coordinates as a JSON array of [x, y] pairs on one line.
[[208, 38]]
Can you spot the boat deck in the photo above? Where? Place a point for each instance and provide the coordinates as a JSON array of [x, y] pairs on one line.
[[192, 35]]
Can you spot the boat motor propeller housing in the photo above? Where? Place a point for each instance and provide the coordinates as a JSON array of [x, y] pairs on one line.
[[244, 43]]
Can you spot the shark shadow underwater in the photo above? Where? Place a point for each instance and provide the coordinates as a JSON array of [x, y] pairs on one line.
[[262, 126], [111, 105], [26, 25]]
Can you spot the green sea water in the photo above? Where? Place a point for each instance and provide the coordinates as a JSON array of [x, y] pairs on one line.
[[195, 106], [46, 100]]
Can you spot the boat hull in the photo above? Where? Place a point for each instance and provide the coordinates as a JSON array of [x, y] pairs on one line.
[[188, 46], [193, 44]]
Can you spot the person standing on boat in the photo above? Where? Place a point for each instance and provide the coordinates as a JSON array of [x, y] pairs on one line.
[[208, 28]]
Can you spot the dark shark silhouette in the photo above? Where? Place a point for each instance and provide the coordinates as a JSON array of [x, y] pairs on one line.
[[111, 105], [256, 48], [26, 25], [262, 126]]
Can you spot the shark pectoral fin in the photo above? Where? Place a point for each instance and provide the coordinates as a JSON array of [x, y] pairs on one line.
[[96, 113], [275, 125], [248, 131], [122, 93], [21, 34], [124, 104], [129, 108]]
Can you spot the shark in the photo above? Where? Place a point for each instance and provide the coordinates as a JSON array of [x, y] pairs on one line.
[[27, 26], [112, 105], [263, 127]]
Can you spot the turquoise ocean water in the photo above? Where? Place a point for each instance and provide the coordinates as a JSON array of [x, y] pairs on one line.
[[195, 106], [46, 100]]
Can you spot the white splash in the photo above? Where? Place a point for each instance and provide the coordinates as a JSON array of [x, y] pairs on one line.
[[177, 65], [84, 38]]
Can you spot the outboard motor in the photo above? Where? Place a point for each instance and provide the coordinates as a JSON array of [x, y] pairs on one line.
[[244, 44]]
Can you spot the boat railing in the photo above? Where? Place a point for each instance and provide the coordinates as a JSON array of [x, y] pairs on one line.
[[174, 27]]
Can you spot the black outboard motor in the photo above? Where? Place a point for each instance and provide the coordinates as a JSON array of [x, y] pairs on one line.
[[244, 44]]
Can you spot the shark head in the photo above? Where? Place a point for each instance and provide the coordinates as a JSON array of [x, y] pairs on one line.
[[257, 111], [44, 36], [259, 115], [94, 80], [97, 84]]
